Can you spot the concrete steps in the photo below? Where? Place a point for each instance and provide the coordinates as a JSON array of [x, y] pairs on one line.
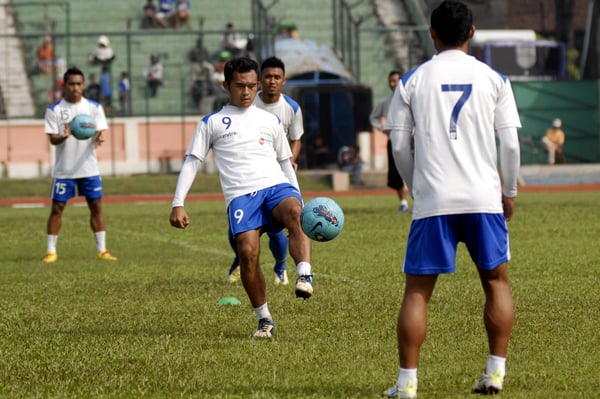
[[16, 92]]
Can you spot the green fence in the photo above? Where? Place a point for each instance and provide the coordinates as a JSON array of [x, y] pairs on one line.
[[575, 102]]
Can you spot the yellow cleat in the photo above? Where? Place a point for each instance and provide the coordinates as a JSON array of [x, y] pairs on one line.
[[105, 256], [50, 257], [234, 275]]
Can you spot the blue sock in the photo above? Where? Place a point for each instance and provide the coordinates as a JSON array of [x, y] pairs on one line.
[[278, 243]]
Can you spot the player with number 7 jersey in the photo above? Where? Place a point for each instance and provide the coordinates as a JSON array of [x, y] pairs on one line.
[[453, 104]]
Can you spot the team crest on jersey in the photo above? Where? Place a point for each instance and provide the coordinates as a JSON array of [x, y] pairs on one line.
[[265, 137]]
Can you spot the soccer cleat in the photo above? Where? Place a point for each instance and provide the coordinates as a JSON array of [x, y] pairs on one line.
[[304, 288], [234, 274], [266, 329], [489, 384], [50, 257], [408, 392], [403, 208], [280, 277], [105, 255]]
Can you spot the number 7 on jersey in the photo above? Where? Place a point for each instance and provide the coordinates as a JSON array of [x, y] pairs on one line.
[[466, 92]]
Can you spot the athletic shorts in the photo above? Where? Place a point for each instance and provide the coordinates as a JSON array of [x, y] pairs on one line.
[[432, 242], [394, 180], [89, 187], [253, 211]]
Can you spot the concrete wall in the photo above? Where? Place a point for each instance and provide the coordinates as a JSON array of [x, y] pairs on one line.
[[132, 145]]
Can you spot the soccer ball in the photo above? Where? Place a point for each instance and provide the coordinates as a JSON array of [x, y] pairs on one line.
[[83, 126], [322, 219]]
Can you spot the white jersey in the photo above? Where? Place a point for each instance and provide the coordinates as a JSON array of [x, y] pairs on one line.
[[247, 143], [454, 104], [288, 111], [74, 158]]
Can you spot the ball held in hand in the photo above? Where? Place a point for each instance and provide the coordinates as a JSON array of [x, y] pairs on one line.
[[83, 126]]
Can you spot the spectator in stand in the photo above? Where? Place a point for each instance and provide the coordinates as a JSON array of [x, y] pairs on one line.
[[181, 13], [106, 89], [103, 53], [149, 19], [320, 153], [124, 88], [553, 142], [92, 90], [45, 55], [349, 161], [232, 41], [153, 73], [165, 11]]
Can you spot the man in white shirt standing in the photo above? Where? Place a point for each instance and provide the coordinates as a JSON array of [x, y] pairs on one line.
[[270, 98], [76, 165], [455, 105], [261, 190]]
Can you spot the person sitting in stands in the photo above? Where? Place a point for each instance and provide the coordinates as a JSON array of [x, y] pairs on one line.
[[553, 142], [45, 54], [349, 161]]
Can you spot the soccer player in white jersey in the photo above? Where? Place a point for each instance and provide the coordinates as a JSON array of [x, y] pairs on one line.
[[270, 98], [261, 190], [76, 165], [455, 105]]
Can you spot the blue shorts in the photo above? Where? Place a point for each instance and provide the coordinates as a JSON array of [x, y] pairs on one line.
[[89, 187], [432, 242], [253, 211]]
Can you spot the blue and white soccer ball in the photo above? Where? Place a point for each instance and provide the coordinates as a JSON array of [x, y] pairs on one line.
[[83, 126], [322, 219]]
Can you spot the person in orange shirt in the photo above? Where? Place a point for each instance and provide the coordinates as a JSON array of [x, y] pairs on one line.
[[553, 142], [45, 55]]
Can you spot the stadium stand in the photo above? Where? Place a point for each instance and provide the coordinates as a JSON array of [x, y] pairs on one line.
[[76, 25]]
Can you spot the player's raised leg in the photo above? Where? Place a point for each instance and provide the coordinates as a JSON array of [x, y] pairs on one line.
[[287, 212]]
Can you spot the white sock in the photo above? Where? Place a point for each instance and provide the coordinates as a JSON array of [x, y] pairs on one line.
[[406, 375], [404, 202], [496, 363], [303, 269], [100, 241], [262, 312], [51, 242]]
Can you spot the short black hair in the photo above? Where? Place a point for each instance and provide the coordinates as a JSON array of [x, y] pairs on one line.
[[394, 72], [272, 62], [239, 65], [72, 71], [452, 20]]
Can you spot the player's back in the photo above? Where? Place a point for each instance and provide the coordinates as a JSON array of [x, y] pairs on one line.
[[457, 104]]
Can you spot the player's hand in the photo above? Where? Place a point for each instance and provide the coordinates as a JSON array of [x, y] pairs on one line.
[[294, 165], [179, 217], [508, 204], [98, 139], [67, 131]]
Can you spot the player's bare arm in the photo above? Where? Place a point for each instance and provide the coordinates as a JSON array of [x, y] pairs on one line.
[[98, 140], [56, 139], [508, 205]]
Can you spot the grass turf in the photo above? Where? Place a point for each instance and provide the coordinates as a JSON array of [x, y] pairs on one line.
[[149, 325]]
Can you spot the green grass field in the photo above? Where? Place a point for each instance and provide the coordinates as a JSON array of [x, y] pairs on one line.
[[149, 325]]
